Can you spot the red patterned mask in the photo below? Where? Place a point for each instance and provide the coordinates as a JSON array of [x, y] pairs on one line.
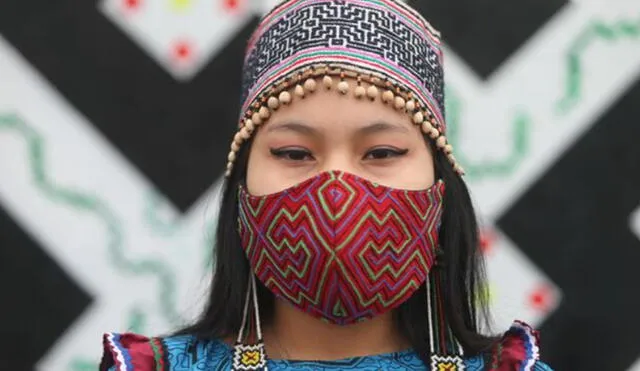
[[341, 247]]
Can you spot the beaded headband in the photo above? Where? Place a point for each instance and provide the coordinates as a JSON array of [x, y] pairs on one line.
[[389, 49]]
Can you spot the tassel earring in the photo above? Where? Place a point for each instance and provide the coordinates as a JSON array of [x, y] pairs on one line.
[[446, 352], [250, 357]]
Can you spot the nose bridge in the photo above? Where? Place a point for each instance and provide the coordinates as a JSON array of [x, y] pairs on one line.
[[339, 158]]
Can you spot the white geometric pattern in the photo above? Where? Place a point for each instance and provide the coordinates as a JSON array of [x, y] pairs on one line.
[[181, 35], [531, 81], [80, 158], [517, 288]]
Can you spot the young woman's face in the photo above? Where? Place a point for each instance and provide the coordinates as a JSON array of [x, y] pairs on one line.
[[329, 131]]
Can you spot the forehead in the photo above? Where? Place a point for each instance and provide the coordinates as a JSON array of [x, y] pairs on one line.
[[327, 109]]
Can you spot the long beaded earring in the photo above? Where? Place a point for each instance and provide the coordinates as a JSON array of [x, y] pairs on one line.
[[446, 352], [250, 357]]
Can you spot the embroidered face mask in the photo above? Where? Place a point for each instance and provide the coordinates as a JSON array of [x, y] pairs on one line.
[[340, 247]]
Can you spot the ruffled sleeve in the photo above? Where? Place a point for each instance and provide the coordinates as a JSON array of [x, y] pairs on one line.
[[127, 352], [519, 350]]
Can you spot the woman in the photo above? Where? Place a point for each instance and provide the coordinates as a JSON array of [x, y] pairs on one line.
[[344, 199]]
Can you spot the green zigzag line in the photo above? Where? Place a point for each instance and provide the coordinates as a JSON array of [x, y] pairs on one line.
[[81, 364], [166, 228], [92, 204], [595, 31], [474, 171], [153, 201]]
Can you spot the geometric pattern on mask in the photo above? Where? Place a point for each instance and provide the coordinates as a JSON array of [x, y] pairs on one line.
[[340, 247], [396, 42]]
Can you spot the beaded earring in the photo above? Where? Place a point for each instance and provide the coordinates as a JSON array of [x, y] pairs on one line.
[[250, 357], [445, 351]]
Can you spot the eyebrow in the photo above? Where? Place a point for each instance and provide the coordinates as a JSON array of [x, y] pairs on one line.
[[294, 126], [373, 128], [382, 126]]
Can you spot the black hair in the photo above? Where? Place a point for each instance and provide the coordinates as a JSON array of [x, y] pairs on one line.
[[461, 275]]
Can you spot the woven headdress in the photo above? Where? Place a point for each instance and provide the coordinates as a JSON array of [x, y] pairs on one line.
[[303, 45]]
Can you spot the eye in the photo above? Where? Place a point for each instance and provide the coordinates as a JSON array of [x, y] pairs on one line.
[[291, 154], [383, 153]]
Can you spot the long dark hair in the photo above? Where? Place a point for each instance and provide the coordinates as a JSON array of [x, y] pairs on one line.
[[461, 275]]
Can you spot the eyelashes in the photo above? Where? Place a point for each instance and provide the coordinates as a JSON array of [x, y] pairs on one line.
[[292, 154], [382, 153]]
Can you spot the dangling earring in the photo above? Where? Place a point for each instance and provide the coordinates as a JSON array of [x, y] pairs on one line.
[[250, 357], [446, 352]]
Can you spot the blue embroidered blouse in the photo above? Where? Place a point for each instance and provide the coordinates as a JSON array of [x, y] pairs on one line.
[[518, 350]]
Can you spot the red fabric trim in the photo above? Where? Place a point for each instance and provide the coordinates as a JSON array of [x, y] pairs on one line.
[[128, 352]]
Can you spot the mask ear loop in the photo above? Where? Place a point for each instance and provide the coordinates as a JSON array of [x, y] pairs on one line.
[[250, 357], [446, 351]]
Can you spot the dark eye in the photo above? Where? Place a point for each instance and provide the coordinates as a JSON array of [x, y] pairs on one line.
[[385, 153], [292, 154]]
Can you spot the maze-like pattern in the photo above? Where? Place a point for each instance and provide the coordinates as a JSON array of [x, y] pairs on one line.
[[392, 36]]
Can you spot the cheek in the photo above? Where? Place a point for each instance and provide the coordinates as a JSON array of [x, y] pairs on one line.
[[258, 181], [418, 172], [264, 176]]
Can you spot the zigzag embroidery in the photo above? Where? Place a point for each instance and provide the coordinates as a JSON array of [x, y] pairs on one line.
[[336, 235]]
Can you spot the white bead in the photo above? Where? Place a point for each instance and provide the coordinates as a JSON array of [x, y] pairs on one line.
[[327, 81], [451, 158], [343, 87], [285, 97], [257, 120], [273, 103], [399, 102], [249, 125], [372, 92], [448, 148], [387, 96], [441, 142], [231, 157], [264, 113], [235, 147], [426, 127], [434, 133], [418, 118], [299, 91], [411, 106], [310, 85], [360, 92], [244, 134]]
